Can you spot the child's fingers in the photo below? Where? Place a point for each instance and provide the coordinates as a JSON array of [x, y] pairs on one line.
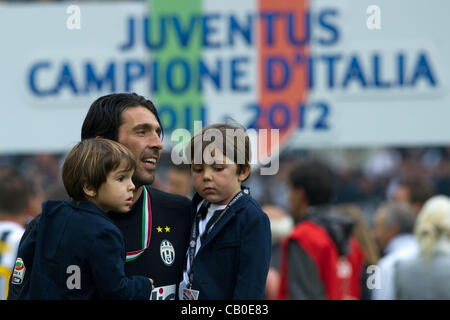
[[151, 281]]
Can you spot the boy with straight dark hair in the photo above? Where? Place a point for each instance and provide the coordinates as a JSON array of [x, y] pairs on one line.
[[75, 251], [230, 241]]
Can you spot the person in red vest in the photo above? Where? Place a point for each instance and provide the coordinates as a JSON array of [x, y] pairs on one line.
[[320, 258]]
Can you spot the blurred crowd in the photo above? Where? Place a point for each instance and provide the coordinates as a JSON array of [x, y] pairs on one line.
[[384, 212]]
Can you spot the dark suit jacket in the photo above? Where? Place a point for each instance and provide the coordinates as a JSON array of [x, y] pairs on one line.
[[167, 209], [77, 241], [233, 260]]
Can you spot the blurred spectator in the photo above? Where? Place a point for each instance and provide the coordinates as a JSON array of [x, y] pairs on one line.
[[426, 275], [316, 256], [57, 193], [179, 181], [280, 225], [36, 197], [442, 177], [393, 226], [44, 170], [414, 190], [14, 198], [381, 163], [366, 243]]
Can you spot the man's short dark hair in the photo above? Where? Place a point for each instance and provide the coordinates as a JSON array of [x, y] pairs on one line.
[[316, 179], [399, 214], [419, 189], [14, 192], [105, 114]]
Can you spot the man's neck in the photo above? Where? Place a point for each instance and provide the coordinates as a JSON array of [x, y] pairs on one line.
[[137, 194]]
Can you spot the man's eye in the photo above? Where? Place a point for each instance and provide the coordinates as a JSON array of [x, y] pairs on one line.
[[140, 132], [120, 179], [218, 168], [197, 170]]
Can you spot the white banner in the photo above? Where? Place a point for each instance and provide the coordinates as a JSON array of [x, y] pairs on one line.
[[326, 73]]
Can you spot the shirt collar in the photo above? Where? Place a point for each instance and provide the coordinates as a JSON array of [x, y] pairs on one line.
[[400, 242]]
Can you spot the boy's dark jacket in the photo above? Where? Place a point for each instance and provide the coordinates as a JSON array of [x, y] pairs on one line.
[[233, 260], [80, 235]]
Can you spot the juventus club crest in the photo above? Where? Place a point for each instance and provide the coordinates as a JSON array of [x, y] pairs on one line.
[[167, 252]]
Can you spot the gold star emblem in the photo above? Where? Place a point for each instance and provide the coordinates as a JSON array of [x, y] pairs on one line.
[[159, 229], [167, 229]]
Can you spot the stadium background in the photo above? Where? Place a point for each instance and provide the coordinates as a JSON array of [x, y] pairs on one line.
[[363, 88]]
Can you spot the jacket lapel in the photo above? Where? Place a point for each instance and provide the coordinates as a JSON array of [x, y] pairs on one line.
[[232, 211]]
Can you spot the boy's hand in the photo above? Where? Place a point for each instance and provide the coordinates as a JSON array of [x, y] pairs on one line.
[[151, 281]]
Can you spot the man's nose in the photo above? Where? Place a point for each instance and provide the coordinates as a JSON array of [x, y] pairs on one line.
[[154, 141]]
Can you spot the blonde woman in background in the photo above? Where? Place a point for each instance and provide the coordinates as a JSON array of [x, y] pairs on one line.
[[427, 274]]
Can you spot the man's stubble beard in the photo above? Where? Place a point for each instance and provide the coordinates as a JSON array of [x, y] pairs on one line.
[[139, 179]]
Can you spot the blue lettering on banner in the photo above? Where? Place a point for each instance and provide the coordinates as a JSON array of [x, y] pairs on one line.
[[327, 25], [179, 75], [245, 31], [230, 73], [94, 79], [66, 79], [423, 70], [148, 41], [32, 79], [134, 70], [292, 21], [209, 73], [237, 72], [277, 62], [204, 28], [208, 31], [184, 36], [183, 74], [176, 75], [171, 116], [354, 72], [311, 116]]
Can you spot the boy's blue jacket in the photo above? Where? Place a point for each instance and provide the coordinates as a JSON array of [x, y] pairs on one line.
[[72, 239], [233, 260]]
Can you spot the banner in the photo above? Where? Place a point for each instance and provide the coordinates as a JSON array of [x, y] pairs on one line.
[[324, 73]]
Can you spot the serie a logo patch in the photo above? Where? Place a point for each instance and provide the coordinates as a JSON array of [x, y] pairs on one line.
[[167, 252], [18, 272]]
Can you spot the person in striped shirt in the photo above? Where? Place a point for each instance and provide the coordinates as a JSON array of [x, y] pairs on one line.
[[14, 196]]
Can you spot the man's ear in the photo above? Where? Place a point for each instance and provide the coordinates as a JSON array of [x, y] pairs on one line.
[[245, 172], [89, 190]]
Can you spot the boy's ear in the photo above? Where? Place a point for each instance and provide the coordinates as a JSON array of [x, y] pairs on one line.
[[245, 172], [89, 190]]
